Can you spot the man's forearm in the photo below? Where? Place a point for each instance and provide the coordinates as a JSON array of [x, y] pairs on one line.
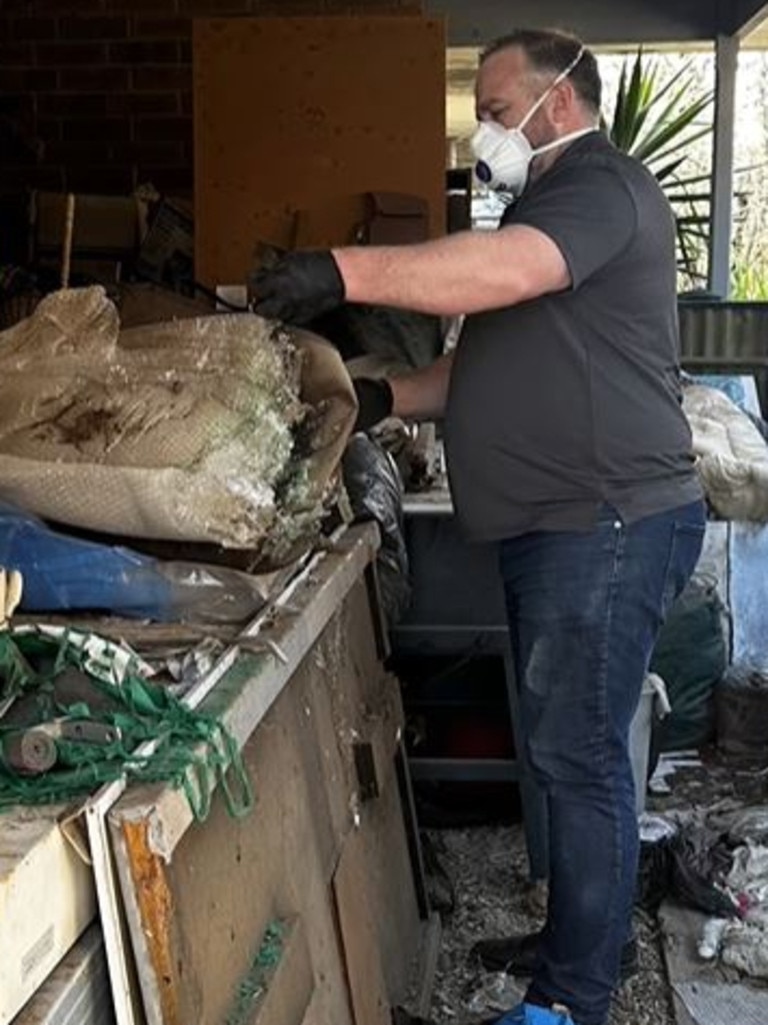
[[422, 395], [461, 273]]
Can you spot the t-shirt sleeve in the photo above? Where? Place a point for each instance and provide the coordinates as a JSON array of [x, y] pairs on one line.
[[589, 213]]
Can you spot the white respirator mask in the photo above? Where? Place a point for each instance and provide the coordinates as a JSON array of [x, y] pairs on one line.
[[504, 155]]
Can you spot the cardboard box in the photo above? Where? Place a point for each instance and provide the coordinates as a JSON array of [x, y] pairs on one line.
[[47, 900], [105, 233]]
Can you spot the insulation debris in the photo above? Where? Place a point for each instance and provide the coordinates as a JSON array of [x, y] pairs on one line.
[[223, 429]]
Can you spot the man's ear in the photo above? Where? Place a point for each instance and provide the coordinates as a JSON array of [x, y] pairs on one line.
[[564, 100]]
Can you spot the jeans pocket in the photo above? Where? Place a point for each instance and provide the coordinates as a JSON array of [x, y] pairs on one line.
[[687, 542]]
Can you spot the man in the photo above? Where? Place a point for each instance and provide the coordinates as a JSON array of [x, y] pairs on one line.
[[566, 445]]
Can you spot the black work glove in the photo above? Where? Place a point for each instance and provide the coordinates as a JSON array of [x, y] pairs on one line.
[[374, 401], [299, 287]]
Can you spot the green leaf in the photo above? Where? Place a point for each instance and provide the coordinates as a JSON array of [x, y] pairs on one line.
[[657, 122]]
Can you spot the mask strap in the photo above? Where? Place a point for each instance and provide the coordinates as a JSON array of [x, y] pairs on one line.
[[563, 139], [560, 78]]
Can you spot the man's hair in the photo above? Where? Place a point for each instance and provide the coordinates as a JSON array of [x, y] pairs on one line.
[[549, 50]]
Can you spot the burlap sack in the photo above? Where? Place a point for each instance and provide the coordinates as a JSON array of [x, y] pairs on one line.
[[225, 429]]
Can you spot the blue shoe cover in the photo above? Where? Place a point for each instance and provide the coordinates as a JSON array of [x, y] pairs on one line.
[[530, 1014]]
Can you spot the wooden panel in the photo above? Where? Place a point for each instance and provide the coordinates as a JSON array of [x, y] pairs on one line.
[[361, 951], [229, 878], [292, 113], [200, 895], [199, 906], [391, 889], [681, 930]]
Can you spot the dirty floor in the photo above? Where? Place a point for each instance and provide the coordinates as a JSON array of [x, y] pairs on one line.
[[488, 869]]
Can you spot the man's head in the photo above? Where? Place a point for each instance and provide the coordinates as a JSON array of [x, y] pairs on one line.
[[530, 66]]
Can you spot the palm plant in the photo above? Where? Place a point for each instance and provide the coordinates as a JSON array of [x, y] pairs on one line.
[[657, 122]]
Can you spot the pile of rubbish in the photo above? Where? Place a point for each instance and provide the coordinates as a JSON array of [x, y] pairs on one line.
[[224, 431], [715, 862]]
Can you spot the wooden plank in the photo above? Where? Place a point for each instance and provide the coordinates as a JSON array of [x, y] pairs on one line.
[[681, 931], [430, 953], [365, 973], [390, 887], [295, 113]]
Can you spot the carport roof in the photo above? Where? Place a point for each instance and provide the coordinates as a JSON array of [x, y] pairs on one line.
[[605, 22]]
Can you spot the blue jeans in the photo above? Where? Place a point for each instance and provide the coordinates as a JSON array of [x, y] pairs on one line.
[[584, 611]]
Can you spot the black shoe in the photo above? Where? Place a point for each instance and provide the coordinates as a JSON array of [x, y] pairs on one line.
[[516, 955]]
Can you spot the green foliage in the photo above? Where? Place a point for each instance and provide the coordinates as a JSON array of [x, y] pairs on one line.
[[657, 121], [749, 278]]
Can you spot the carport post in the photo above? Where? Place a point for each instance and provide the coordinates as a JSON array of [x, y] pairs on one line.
[[726, 61]]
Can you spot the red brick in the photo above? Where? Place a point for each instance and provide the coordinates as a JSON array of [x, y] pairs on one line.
[[162, 78], [93, 28], [175, 181], [70, 54], [70, 6], [160, 153], [19, 79], [170, 129], [137, 51], [33, 28], [20, 106], [32, 176], [106, 179], [50, 177], [49, 129], [134, 6], [143, 103], [72, 104], [214, 8], [288, 7], [161, 28], [17, 55], [95, 79], [15, 6], [109, 129], [69, 153]]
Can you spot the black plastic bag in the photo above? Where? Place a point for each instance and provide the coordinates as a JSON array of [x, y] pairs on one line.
[[688, 868], [375, 492]]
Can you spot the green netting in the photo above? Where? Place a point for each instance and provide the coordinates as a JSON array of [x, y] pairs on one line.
[[255, 983], [192, 750]]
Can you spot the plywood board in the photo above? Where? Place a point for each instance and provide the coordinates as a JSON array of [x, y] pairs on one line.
[[293, 113], [199, 920], [681, 930], [200, 895], [363, 957]]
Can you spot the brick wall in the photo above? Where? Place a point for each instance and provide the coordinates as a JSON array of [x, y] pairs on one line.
[[96, 95]]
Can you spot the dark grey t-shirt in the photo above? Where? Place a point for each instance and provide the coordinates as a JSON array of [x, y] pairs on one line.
[[571, 400]]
